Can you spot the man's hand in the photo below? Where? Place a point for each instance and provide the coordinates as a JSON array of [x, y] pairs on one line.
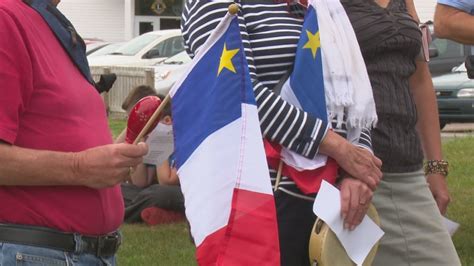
[[361, 164], [355, 199], [440, 192], [108, 165]]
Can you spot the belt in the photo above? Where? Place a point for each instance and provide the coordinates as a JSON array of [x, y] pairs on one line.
[[105, 245]]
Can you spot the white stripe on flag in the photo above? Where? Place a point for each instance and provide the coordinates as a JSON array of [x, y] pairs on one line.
[[255, 175], [209, 189], [204, 184]]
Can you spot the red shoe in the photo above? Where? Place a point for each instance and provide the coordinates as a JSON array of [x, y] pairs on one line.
[[155, 215]]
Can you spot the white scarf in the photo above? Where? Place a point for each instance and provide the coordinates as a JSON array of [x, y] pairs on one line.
[[346, 82]]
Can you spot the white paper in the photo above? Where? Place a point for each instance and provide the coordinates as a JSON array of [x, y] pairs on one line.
[[160, 145], [358, 242], [450, 225]]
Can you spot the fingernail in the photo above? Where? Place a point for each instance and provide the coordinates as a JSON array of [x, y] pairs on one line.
[[352, 227], [346, 226]]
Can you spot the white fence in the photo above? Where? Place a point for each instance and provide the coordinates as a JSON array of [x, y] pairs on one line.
[[127, 79]]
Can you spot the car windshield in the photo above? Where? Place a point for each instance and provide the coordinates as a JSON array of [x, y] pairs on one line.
[[460, 68], [108, 49], [178, 59], [133, 46], [91, 47]]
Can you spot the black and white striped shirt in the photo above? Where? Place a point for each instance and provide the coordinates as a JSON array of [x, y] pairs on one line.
[[270, 36]]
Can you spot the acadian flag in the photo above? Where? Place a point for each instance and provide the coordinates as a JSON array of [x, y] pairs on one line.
[[305, 90], [220, 156]]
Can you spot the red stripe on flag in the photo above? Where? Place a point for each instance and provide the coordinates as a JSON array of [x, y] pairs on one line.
[[252, 231], [207, 252], [251, 236]]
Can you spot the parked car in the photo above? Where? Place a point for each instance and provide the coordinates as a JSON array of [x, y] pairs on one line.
[[446, 54], [88, 41], [169, 71], [455, 95], [93, 46], [144, 50], [108, 48]]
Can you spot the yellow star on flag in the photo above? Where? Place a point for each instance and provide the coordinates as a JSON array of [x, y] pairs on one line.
[[226, 59], [313, 42]]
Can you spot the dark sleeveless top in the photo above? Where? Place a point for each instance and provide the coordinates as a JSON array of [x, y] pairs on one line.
[[390, 42]]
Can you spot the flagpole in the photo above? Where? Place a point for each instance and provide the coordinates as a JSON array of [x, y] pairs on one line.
[[278, 177], [152, 119]]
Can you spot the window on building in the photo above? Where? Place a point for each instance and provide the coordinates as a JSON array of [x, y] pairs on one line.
[[169, 23], [145, 27]]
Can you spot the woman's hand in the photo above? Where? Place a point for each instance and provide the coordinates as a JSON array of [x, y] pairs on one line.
[[440, 192], [363, 165], [355, 199], [357, 162]]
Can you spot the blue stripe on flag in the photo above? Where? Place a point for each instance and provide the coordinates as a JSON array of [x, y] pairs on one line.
[[206, 101], [306, 79]]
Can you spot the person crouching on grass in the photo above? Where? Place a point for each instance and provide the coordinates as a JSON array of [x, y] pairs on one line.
[[153, 194]]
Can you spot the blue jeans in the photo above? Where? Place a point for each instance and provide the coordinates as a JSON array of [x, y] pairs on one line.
[[13, 254]]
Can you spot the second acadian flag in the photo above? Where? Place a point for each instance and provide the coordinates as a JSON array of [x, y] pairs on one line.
[[305, 90]]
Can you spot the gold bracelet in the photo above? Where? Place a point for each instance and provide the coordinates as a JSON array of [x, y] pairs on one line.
[[436, 167]]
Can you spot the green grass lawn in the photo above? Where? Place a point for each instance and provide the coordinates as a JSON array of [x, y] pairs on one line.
[[170, 245], [116, 126], [460, 153], [158, 245]]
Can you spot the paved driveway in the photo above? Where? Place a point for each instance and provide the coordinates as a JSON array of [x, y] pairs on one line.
[[458, 130]]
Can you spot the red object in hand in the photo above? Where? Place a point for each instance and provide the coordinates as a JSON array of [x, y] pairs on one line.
[[139, 116]]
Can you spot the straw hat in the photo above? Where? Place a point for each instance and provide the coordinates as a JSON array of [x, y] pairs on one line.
[[326, 250]]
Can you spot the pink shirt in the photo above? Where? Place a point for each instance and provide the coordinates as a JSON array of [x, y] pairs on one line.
[[46, 104]]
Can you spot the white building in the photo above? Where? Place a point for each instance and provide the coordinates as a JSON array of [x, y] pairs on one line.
[[425, 9], [119, 20]]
